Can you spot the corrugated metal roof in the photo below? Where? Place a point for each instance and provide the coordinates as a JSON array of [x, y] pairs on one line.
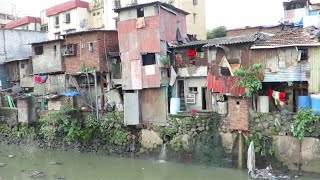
[[88, 31], [235, 39], [293, 36], [47, 41], [224, 40], [133, 6]]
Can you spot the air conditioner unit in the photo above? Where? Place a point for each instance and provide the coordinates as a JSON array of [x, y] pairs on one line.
[[69, 50], [191, 99]]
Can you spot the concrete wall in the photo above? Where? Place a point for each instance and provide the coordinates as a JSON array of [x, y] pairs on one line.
[[30, 27], [76, 15], [51, 59], [293, 152], [195, 24], [15, 44], [199, 83], [27, 109]]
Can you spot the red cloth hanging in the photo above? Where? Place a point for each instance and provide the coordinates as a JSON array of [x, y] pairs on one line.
[[282, 96], [270, 93], [191, 53]]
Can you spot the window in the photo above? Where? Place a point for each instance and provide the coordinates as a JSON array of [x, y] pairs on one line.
[[22, 66], [303, 54], [38, 50], [140, 12], [94, 14], [56, 35], [98, 13], [148, 59], [193, 89], [194, 18], [68, 18], [55, 49], [56, 22], [195, 2], [91, 47], [44, 28]]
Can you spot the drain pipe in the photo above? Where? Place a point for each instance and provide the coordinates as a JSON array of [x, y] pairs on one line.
[[96, 90], [240, 151]]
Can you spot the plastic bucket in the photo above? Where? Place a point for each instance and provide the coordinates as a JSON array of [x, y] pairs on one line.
[[304, 102]]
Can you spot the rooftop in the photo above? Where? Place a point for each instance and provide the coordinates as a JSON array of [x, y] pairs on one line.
[[23, 21], [72, 4], [88, 31], [297, 36], [134, 6], [47, 41]]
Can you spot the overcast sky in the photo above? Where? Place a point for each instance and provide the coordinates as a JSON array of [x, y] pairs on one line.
[[231, 13]]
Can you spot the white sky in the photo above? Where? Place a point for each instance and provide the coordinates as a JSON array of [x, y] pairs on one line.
[[230, 13]]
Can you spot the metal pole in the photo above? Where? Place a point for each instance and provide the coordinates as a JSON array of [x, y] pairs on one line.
[[90, 97], [96, 88]]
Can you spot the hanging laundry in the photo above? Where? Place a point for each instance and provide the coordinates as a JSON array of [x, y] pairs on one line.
[[275, 96], [40, 79], [191, 53], [140, 23], [282, 96], [270, 93]]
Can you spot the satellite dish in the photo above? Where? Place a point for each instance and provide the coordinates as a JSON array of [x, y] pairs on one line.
[[170, 1], [84, 23]]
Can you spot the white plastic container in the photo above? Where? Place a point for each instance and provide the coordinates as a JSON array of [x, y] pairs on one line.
[[222, 108], [263, 104], [174, 105]]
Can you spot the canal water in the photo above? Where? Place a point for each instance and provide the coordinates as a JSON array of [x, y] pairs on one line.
[[81, 166]]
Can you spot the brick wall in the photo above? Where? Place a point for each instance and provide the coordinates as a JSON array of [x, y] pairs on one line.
[[238, 108], [94, 59]]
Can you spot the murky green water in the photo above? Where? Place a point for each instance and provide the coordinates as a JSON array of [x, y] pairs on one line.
[[78, 166]]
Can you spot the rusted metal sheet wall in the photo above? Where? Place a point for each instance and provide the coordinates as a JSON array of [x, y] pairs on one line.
[[131, 108], [13, 71], [293, 73], [224, 85], [183, 60], [281, 64], [153, 105], [133, 42], [234, 54], [151, 76], [169, 24], [314, 59]]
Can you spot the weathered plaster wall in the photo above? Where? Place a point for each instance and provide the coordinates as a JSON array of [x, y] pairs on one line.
[[50, 61], [199, 83], [15, 44]]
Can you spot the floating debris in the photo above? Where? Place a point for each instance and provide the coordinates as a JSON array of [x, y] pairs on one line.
[[55, 163], [37, 174], [11, 156], [2, 164]]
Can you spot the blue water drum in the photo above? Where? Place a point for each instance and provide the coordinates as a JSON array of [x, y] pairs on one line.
[[304, 102], [315, 103]]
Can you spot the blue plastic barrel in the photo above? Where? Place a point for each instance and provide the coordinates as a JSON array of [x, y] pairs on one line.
[[315, 104], [304, 102]]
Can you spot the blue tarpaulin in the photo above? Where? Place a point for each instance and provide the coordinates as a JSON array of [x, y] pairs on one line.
[[70, 94]]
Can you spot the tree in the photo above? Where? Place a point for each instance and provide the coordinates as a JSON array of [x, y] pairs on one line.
[[249, 79], [217, 32]]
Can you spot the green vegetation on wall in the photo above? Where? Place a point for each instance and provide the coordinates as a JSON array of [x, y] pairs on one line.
[[304, 122]]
